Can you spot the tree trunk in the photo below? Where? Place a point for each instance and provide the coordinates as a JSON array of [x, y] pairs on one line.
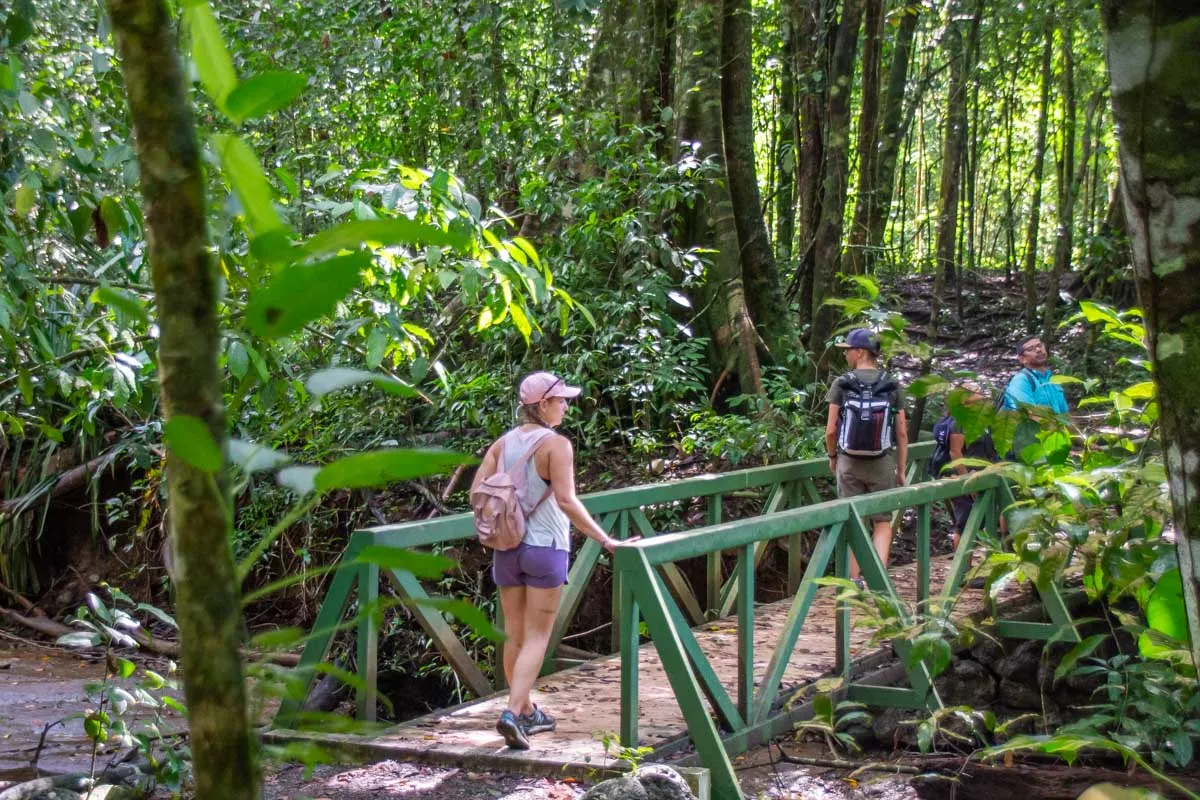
[[868, 137], [953, 144], [812, 34], [787, 146], [891, 133], [710, 224], [1153, 61], [659, 84], [1064, 240], [208, 606], [764, 292], [1039, 161], [827, 244]]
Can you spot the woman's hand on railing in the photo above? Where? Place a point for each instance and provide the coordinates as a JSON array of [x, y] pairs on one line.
[[611, 544]]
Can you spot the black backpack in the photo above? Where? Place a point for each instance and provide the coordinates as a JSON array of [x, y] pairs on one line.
[[941, 446], [866, 424]]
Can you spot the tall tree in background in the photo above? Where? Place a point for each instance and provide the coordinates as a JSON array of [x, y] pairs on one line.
[[207, 602], [868, 138], [764, 292], [827, 241], [711, 224], [1153, 61], [1039, 162], [1064, 239], [787, 141], [872, 218]]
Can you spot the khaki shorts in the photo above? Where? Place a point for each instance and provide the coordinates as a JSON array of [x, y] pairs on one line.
[[859, 476]]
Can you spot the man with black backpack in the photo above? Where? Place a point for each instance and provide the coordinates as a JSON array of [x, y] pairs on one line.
[[866, 432]]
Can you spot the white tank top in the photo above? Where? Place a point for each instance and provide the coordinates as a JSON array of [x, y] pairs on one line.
[[548, 525]]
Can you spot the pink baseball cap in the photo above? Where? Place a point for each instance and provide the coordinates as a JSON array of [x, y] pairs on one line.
[[543, 385]]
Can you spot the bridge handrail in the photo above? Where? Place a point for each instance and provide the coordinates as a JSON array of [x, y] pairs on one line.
[[423, 533]]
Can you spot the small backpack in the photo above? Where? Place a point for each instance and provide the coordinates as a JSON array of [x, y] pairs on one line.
[[498, 501], [866, 424], [941, 446]]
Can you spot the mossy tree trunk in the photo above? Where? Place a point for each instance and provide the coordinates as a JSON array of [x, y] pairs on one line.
[[710, 223], [812, 36], [1035, 202], [1153, 62], [208, 606], [857, 254], [827, 243], [1064, 239], [764, 291]]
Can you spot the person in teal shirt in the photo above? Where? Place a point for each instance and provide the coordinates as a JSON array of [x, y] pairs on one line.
[[1031, 386]]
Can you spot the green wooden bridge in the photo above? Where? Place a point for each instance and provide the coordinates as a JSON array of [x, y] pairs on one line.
[[712, 668]]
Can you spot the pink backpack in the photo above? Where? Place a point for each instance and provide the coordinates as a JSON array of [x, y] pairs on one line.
[[500, 514]]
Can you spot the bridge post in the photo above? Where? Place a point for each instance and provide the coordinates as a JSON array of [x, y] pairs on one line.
[[745, 615]]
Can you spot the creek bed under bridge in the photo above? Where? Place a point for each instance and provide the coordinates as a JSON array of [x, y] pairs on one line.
[[708, 668]]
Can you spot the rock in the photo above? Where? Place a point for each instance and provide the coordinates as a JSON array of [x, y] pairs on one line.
[[987, 650], [966, 683], [663, 783], [888, 730], [113, 792], [1019, 695], [1021, 664], [623, 788]]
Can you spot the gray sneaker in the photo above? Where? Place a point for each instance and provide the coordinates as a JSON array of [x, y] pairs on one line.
[[537, 722], [510, 728]]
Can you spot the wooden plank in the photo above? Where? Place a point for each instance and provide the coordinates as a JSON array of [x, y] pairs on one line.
[[630, 645], [923, 534], [745, 617], [440, 632], [713, 570]]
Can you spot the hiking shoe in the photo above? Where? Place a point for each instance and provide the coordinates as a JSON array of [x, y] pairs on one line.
[[509, 727], [537, 722]]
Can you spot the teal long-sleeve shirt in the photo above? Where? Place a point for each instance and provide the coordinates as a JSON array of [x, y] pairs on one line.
[[1031, 388]]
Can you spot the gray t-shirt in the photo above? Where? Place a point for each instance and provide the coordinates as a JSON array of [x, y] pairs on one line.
[[836, 393]]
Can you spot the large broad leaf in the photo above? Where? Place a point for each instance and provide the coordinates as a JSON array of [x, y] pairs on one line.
[[245, 174], [208, 52], [335, 378], [1165, 612], [263, 93], [387, 232], [381, 467], [251, 457], [190, 439], [303, 293], [422, 565], [122, 301]]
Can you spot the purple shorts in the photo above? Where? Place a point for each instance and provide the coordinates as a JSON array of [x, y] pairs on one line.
[[530, 565]]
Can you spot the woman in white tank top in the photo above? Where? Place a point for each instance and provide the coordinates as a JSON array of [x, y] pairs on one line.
[[530, 577]]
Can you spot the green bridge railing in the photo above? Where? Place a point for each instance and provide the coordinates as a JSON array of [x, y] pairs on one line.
[[648, 585], [621, 512], [758, 713]]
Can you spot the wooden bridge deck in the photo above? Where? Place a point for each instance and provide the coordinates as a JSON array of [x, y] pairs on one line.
[[586, 699]]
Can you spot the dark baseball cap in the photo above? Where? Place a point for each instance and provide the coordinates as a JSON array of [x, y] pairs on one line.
[[861, 338]]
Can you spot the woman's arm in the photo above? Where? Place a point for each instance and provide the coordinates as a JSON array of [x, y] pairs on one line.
[[562, 481], [489, 466]]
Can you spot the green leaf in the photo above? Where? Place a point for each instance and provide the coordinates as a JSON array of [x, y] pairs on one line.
[[159, 615], [251, 457], [300, 479], [263, 93], [822, 706], [1181, 745], [377, 342], [931, 648], [926, 385], [386, 232], [381, 467], [238, 359], [190, 439], [277, 639], [125, 667], [302, 293], [335, 378], [1081, 650], [78, 639], [422, 565], [24, 199], [466, 613], [1165, 613], [245, 174], [122, 301], [208, 51]]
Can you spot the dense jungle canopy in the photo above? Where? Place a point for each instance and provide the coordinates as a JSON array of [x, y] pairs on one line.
[[245, 246]]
